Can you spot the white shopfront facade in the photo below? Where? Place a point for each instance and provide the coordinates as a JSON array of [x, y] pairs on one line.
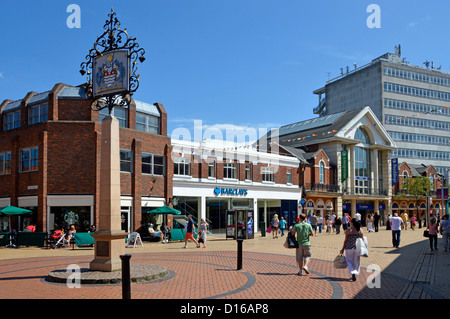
[[210, 198]]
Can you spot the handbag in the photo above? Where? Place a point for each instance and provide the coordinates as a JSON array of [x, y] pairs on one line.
[[290, 242], [269, 230], [425, 233], [340, 262]]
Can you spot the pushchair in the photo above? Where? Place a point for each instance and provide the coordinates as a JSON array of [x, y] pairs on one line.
[[57, 239]]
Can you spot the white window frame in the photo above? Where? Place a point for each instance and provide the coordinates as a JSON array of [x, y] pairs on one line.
[[184, 166], [31, 158]]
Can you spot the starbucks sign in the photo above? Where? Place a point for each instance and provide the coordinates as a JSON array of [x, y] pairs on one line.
[[70, 217]]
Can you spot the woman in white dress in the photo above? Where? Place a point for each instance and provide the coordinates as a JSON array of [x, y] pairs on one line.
[[370, 223], [351, 254]]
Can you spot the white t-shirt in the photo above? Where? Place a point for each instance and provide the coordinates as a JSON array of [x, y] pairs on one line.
[[358, 216], [396, 223]]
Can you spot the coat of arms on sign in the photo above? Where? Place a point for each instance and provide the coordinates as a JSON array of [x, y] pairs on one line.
[[110, 73]]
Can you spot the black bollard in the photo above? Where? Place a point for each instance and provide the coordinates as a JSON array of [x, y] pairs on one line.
[[239, 253], [126, 277]]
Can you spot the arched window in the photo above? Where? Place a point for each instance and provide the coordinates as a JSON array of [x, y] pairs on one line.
[[362, 135], [321, 173]]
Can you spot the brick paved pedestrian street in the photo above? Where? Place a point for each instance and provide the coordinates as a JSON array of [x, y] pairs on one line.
[[269, 271]]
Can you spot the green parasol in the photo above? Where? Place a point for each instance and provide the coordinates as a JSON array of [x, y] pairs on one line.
[[165, 210]]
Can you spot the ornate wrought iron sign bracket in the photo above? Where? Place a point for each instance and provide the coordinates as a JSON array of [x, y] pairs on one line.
[[111, 67]]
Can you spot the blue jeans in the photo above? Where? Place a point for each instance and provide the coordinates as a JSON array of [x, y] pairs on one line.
[[396, 238]]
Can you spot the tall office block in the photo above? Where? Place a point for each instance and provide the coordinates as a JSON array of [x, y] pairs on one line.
[[411, 101]]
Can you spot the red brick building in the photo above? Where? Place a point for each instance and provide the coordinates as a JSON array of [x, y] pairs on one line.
[[49, 159], [417, 205]]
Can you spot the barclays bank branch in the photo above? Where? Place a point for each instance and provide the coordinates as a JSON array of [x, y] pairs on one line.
[[263, 182]]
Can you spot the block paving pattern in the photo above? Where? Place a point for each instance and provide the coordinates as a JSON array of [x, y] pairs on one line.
[[413, 273]]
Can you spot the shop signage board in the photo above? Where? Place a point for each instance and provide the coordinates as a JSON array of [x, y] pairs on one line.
[[218, 191], [344, 166]]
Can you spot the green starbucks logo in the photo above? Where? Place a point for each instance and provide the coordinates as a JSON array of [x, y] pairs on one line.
[[71, 217]]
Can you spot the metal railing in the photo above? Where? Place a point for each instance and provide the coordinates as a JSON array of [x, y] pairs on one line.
[[317, 187], [364, 191]]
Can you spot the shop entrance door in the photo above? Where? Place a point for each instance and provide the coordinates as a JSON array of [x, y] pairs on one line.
[[216, 212], [125, 213]]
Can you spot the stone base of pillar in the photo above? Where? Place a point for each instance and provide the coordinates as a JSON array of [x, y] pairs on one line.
[[109, 245]]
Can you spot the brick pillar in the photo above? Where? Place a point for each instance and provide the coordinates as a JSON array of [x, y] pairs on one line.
[[136, 182], [41, 223]]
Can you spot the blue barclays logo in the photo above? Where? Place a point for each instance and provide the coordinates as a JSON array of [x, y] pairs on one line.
[[230, 191]]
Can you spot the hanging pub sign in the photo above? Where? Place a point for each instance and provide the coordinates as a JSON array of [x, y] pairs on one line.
[[110, 73]]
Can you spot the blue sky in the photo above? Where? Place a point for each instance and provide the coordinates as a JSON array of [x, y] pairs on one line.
[[234, 63]]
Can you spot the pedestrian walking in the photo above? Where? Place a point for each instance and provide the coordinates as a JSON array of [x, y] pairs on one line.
[[405, 220], [376, 221], [319, 223], [370, 223], [282, 225], [388, 222], [333, 217], [329, 225], [396, 227], [313, 221], [432, 233], [444, 229], [413, 222], [345, 222], [303, 231], [351, 255], [190, 230], [337, 225], [202, 229], [275, 226]]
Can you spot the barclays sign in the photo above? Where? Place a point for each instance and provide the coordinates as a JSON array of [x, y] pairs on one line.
[[230, 191]]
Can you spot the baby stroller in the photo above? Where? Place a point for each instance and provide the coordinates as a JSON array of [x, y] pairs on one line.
[[57, 239]]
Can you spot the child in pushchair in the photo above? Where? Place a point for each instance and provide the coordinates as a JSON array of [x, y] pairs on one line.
[[57, 239]]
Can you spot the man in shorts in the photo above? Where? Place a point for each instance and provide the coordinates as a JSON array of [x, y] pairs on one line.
[[190, 228], [303, 253]]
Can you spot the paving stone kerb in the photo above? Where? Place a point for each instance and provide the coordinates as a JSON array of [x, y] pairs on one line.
[[138, 274], [211, 272]]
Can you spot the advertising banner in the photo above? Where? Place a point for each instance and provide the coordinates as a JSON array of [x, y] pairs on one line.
[[394, 163], [344, 166]]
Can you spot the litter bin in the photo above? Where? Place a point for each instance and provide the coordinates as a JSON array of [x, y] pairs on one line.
[[262, 226]]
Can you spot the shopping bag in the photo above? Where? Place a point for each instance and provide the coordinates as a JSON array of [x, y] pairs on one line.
[[361, 247], [269, 230], [290, 242], [340, 262]]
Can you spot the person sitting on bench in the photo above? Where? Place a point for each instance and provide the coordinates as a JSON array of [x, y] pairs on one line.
[[155, 235]]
